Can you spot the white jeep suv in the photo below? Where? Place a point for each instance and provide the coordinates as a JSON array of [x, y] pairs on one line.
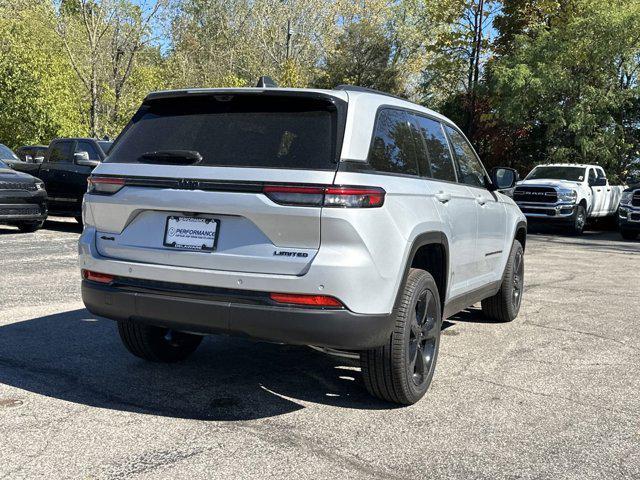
[[344, 218]]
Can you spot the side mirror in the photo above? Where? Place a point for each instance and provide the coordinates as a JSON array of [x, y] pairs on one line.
[[82, 158], [503, 178], [28, 159], [38, 159], [599, 182]]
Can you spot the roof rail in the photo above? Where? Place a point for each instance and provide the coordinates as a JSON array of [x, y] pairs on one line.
[[266, 82], [355, 88]]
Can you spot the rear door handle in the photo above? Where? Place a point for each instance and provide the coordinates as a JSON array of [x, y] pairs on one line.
[[480, 200], [443, 197]]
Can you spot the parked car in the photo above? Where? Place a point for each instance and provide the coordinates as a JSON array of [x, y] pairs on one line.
[[8, 157], [32, 153], [65, 169], [567, 194], [629, 212], [23, 200], [207, 217]]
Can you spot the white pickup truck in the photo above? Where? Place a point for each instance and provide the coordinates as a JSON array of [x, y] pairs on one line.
[[567, 194]]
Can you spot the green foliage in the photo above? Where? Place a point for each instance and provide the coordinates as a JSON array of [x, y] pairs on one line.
[[362, 57], [528, 80], [573, 86], [37, 100]]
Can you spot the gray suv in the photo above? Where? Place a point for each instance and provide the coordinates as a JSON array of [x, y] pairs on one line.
[[344, 218]]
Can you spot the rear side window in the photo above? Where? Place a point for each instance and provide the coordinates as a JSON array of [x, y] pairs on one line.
[[437, 149], [393, 148], [470, 170], [60, 152], [236, 130]]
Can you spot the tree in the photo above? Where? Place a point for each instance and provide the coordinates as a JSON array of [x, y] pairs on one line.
[[573, 86], [362, 57], [37, 101], [233, 42], [103, 39], [454, 78]]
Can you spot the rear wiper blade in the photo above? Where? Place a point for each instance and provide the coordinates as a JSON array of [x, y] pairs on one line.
[[171, 157]]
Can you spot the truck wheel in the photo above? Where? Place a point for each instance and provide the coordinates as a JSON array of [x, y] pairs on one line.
[[505, 305], [157, 344], [628, 234], [579, 220], [28, 227], [401, 371]]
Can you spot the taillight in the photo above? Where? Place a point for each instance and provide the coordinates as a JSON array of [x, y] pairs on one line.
[[97, 277], [309, 300], [354, 197], [294, 195], [105, 185], [334, 196]]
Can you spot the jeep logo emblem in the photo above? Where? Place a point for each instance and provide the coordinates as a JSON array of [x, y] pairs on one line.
[[185, 184]]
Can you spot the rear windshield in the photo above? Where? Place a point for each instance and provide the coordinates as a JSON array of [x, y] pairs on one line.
[[236, 130]]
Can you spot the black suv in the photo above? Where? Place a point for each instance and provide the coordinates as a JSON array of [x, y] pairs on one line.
[[23, 201]]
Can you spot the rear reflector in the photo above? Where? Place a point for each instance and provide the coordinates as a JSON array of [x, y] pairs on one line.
[[311, 300], [97, 277], [334, 196], [105, 185]]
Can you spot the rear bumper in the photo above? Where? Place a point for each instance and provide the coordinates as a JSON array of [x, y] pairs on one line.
[[198, 313]]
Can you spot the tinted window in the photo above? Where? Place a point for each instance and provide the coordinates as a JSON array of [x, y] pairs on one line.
[[84, 146], [600, 173], [236, 130], [6, 153], [105, 145], [393, 147], [60, 152], [437, 149], [575, 174], [470, 171]]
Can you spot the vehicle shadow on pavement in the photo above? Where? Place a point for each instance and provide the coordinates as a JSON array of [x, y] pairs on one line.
[[74, 357], [61, 226], [471, 315]]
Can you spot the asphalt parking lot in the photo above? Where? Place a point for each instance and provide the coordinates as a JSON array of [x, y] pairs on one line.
[[552, 395]]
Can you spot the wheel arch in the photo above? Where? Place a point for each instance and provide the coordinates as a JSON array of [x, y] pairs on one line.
[[521, 234], [429, 251]]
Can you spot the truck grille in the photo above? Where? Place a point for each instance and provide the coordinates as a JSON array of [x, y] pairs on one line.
[[20, 210], [635, 200], [5, 185], [535, 194]]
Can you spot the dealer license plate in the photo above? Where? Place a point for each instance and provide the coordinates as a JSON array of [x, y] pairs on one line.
[[191, 233]]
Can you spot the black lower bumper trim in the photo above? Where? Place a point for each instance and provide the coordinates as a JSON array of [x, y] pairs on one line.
[[337, 328]]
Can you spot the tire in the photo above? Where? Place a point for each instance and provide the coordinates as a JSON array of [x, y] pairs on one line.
[[157, 344], [578, 221], [28, 227], [628, 234], [505, 305], [401, 371]]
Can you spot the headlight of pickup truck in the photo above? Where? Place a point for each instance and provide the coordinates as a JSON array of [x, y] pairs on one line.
[[567, 196], [626, 198]]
